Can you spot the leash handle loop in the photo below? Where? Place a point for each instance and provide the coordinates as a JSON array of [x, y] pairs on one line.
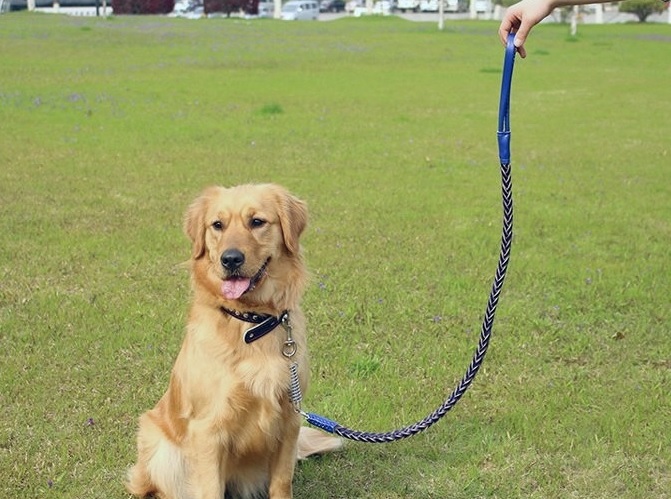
[[503, 133]]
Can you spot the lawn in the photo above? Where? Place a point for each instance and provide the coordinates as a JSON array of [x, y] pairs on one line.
[[387, 128]]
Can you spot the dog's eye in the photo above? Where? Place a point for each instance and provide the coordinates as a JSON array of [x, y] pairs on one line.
[[255, 223], [217, 225]]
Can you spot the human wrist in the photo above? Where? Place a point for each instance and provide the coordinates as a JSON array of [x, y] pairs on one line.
[[557, 4]]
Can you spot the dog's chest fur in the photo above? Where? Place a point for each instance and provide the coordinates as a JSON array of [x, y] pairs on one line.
[[241, 388]]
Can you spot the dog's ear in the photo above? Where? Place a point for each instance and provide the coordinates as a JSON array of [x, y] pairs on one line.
[[195, 223], [293, 215]]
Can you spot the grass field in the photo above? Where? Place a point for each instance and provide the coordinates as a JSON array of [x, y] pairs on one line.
[[108, 129]]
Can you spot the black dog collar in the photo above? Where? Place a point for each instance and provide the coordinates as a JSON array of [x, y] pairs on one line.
[[265, 323]]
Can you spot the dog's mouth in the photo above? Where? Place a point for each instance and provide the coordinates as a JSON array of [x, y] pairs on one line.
[[233, 287]]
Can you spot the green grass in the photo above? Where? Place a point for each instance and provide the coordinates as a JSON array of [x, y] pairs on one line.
[[387, 129]]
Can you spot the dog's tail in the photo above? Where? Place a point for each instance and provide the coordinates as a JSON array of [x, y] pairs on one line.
[[311, 441]]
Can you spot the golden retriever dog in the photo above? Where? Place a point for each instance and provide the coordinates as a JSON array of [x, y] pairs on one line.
[[227, 426]]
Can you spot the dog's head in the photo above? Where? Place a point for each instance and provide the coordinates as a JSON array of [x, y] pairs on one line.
[[245, 244]]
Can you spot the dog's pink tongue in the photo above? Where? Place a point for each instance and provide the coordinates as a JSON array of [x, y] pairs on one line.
[[234, 287]]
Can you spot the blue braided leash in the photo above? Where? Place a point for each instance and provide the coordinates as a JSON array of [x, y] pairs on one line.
[[503, 136]]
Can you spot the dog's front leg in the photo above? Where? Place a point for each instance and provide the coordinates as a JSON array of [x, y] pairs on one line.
[[283, 462], [205, 463]]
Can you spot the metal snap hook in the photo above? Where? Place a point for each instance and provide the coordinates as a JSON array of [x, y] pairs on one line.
[[289, 348]]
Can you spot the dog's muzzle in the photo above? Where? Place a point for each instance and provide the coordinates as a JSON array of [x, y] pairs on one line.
[[237, 284]]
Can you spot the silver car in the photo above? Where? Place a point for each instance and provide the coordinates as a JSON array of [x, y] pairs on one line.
[[300, 10]]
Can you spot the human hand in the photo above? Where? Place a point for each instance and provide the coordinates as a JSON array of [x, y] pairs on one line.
[[520, 18]]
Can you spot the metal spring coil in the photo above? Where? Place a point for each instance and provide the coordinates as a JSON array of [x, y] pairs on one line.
[[295, 386]]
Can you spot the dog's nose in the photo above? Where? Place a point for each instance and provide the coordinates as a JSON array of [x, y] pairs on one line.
[[232, 259]]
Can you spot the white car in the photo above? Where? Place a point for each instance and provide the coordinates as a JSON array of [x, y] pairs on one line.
[[428, 6], [300, 10], [383, 7], [483, 6], [188, 9], [266, 9]]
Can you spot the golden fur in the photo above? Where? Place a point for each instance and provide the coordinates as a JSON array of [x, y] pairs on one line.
[[225, 426]]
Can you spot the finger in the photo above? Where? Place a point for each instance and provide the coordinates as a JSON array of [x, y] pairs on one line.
[[522, 33], [522, 51], [519, 45], [504, 30]]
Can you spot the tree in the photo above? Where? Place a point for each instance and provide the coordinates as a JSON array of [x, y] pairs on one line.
[[642, 8], [229, 6], [142, 6]]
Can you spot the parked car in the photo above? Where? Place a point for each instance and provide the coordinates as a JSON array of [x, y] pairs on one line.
[[448, 5], [428, 5], [456, 5], [332, 6], [406, 5], [192, 13], [266, 9], [383, 7], [300, 10], [352, 5], [483, 6], [188, 9]]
